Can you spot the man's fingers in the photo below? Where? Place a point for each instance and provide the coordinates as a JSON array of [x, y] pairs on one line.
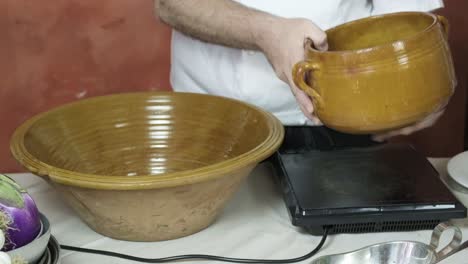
[[425, 123], [319, 39], [305, 101], [306, 106], [307, 114], [384, 136]]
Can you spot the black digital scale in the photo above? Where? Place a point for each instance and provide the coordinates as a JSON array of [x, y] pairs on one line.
[[351, 184]]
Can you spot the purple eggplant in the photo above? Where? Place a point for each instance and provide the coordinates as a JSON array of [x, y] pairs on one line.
[[19, 216]]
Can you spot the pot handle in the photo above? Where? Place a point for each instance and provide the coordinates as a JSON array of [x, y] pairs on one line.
[[445, 24], [299, 74], [452, 247]]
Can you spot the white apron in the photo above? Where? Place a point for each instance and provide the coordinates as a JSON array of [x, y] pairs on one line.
[[201, 67]]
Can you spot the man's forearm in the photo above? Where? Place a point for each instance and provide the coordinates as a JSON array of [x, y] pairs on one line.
[[222, 22]]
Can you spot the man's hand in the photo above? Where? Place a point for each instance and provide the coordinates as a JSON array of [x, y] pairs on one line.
[[284, 47], [231, 24], [425, 123]]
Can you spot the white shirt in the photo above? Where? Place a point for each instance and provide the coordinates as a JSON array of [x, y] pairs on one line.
[[201, 67]]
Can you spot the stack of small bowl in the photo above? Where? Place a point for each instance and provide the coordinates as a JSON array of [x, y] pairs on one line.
[[37, 251]]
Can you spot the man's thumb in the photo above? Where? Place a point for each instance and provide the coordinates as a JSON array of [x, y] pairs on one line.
[[320, 41]]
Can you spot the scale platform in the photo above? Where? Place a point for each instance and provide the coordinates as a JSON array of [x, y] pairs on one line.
[[350, 184]]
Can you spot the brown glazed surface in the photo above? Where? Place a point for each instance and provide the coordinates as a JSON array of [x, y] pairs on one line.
[[380, 73], [147, 166]]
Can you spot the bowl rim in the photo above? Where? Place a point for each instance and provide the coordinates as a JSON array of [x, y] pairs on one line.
[[361, 51], [106, 182]]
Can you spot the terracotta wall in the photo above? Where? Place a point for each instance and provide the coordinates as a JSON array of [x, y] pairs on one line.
[[57, 51]]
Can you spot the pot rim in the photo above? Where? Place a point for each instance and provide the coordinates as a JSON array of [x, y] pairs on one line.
[[309, 43], [173, 179]]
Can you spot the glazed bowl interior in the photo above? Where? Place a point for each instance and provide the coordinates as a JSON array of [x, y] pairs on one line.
[[147, 166], [378, 30], [147, 134]]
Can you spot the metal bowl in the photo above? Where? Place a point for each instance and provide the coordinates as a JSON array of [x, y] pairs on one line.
[[52, 253], [400, 252]]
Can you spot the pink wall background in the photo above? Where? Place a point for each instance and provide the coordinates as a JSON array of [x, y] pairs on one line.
[[57, 51]]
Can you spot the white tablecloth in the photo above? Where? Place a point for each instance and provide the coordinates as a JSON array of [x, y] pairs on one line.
[[255, 224]]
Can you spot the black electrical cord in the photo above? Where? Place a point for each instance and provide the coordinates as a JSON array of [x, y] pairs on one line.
[[197, 256]]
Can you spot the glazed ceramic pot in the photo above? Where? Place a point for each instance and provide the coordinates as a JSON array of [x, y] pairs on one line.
[[147, 166], [379, 73]]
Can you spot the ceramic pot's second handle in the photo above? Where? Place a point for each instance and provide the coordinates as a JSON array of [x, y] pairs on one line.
[[445, 24], [299, 75], [452, 247]]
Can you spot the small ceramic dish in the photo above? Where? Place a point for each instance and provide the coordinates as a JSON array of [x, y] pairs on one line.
[[33, 251], [458, 169]]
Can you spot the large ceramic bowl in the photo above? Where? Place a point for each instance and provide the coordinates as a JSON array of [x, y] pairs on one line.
[[380, 73], [147, 166]]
